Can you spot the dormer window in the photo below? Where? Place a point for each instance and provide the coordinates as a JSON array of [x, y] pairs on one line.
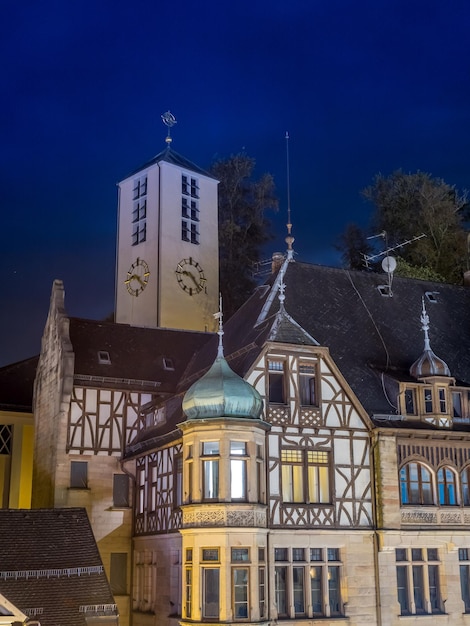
[[431, 296], [104, 358], [168, 364]]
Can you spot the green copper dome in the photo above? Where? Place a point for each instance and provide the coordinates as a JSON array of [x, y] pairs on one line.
[[222, 393]]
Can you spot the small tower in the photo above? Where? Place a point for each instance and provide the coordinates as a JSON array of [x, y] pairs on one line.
[[224, 534], [167, 265]]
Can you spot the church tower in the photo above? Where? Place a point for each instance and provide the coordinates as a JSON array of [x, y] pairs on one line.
[[167, 267]]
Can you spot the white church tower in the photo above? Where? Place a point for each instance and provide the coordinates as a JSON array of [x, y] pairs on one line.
[[167, 266]]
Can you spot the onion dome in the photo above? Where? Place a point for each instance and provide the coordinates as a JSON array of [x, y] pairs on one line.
[[428, 364], [222, 393]]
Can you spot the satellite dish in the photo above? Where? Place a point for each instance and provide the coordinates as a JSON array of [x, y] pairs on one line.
[[389, 264]]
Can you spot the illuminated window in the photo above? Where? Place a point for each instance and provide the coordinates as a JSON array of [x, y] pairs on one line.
[[418, 585], [415, 484], [210, 470], [446, 486], [238, 470], [305, 476]]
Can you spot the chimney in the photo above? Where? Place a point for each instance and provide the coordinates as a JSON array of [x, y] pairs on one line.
[[277, 261]]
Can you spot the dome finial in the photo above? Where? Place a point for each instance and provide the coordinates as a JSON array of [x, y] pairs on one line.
[[282, 288], [425, 325], [220, 316]]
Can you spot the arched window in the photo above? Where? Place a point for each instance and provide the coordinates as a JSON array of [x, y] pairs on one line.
[[465, 480], [415, 484], [446, 486]]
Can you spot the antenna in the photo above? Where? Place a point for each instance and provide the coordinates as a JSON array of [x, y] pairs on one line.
[[169, 120], [289, 239], [372, 257]]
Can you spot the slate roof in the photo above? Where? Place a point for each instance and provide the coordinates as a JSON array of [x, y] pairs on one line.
[[368, 334], [50, 563], [170, 156], [136, 354], [16, 385]]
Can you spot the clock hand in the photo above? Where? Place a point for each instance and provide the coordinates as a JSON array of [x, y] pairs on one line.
[[140, 280], [186, 273]]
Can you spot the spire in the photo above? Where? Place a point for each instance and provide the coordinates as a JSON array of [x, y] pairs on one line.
[[428, 364], [289, 239], [219, 316], [169, 120]]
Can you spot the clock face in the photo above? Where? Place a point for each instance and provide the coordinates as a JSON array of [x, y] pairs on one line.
[[137, 277], [190, 276]]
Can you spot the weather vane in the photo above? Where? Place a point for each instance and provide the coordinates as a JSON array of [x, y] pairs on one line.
[[169, 120]]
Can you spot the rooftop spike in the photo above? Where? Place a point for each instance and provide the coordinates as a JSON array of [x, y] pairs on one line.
[[219, 316], [169, 120], [289, 239]]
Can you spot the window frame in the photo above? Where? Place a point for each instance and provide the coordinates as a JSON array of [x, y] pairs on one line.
[[306, 478], [406, 482], [308, 397], [444, 486], [79, 478], [417, 575], [276, 380]]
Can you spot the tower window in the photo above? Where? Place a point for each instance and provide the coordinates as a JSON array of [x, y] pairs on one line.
[[139, 211], [189, 209]]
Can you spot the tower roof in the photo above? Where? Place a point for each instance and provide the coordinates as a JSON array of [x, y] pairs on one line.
[[168, 155]]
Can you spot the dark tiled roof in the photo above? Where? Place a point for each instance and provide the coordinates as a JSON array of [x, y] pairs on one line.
[[50, 544], [136, 354], [170, 156], [16, 385], [367, 334]]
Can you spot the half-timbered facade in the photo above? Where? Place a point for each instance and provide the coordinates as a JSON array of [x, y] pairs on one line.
[[352, 500]]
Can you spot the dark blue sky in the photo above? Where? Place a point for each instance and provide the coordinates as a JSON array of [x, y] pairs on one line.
[[362, 87]]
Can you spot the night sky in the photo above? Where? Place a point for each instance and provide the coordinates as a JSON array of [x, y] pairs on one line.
[[362, 87]]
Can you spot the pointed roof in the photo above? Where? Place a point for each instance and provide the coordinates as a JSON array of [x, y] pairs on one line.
[[428, 364], [168, 155]]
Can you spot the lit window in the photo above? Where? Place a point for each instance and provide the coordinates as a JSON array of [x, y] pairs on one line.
[[307, 384], [210, 470], [276, 382], [310, 467], [237, 470], [446, 480], [78, 475], [415, 484], [418, 581], [464, 554]]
